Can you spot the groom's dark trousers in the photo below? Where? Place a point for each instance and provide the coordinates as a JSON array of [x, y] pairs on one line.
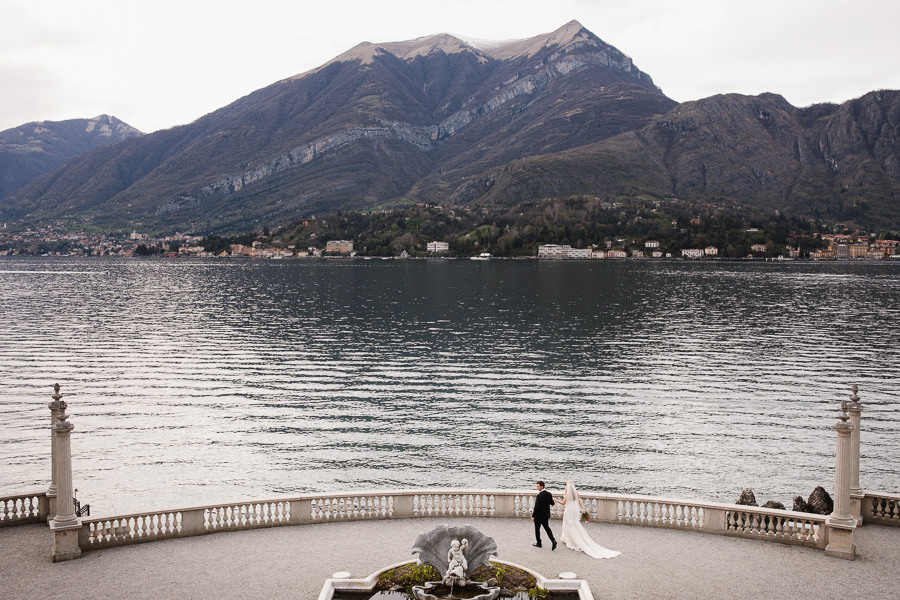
[[541, 515]]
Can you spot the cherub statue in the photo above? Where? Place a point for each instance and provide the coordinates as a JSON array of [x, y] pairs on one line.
[[458, 566]]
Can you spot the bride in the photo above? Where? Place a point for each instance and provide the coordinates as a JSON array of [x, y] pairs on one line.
[[574, 536]]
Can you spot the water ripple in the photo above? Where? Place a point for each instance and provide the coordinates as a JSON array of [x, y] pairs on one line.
[[196, 381]]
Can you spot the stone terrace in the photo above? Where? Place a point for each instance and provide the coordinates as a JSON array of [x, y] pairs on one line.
[[294, 562]]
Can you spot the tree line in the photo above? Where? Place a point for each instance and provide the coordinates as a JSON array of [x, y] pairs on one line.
[[578, 221]]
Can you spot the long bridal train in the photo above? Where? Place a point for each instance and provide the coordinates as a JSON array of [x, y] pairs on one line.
[[574, 535]]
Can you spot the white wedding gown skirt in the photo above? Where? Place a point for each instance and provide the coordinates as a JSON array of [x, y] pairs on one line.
[[575, 537]]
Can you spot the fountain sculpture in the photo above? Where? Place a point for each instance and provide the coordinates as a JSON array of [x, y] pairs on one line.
[[453, 551]]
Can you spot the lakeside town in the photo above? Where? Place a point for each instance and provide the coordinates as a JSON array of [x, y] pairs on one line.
[[858, 246]]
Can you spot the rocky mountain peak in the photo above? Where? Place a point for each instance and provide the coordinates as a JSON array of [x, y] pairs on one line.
[[35, 148], [366, 52], [442, 42], [570, 34]]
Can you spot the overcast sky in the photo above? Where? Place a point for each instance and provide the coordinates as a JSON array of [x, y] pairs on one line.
[[165, 63]]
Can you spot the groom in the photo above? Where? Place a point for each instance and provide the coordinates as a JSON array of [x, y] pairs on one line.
[[541, 515]]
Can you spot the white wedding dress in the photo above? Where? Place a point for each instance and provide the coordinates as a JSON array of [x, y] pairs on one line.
[[574, 535]]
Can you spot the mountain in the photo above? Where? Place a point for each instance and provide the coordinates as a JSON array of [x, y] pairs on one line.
[[441, 120], [34, 149], [756, 153], [379, 123]]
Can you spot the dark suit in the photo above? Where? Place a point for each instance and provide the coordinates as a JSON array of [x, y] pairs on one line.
[[541, 515]]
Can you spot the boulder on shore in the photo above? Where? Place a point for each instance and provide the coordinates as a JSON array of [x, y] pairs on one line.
[[820, 502], [773, 504], [800, 505], [747, 498]]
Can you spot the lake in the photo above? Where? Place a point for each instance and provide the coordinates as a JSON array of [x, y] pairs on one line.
[[193, 381]]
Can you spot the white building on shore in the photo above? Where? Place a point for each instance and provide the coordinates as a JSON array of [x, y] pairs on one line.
[[567, 252]]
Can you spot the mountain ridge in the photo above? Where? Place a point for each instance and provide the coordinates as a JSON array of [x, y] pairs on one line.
[[34, 149], [441, 120]]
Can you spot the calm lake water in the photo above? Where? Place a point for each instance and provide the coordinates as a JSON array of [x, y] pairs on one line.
[[199, 381]]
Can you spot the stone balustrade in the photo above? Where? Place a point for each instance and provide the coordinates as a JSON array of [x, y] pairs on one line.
[[833, 533], [24, 508], [785, 527], [881, 509]]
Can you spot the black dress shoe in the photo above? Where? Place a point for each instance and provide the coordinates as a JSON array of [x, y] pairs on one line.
[[553, 547], [536, 545]]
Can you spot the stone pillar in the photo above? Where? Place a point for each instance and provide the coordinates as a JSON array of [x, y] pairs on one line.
[[840, 523], [66, 524], [856, 493], [54, 415]]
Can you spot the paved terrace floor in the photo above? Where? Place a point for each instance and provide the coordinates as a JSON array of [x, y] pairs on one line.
[[293, 562]]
